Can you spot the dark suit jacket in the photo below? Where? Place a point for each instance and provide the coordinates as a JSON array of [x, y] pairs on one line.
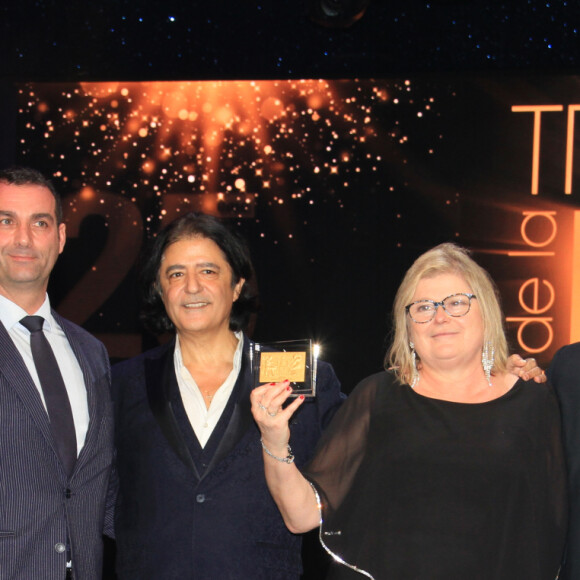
[[37, 500], [184, 512], [564, 374]]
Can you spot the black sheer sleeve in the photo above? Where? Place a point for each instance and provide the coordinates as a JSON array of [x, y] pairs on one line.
[[342, 447]]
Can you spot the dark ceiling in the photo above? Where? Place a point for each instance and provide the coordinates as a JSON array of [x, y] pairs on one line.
[[54, 40]]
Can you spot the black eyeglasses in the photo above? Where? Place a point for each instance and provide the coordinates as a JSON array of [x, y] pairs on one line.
[[455, 305]]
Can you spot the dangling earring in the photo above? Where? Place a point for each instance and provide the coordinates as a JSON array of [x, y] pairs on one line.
[[415, 378], [488, 359]]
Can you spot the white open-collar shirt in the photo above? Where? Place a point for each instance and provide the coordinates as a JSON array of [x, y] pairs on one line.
[[204, 419]]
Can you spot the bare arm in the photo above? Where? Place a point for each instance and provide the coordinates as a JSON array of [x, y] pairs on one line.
[[291, 491]]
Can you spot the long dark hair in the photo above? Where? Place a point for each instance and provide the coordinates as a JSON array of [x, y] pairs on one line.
[[235, 250]]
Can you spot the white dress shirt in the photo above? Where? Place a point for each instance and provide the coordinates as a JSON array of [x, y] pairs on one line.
[[10, 316], [203, 419]]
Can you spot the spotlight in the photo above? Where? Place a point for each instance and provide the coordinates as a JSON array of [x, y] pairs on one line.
[[337, 13]]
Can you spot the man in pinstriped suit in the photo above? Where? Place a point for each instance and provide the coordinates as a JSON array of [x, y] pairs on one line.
[[51, 521]]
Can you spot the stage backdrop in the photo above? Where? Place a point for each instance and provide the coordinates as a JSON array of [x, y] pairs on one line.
[[336, 185]]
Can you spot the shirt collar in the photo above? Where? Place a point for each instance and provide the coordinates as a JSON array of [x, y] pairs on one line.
[[11, 313], [178, 359]]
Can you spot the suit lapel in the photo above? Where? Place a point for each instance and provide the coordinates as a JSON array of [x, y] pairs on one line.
[[12, 366], [94, 401], [160, 378], [241, 417]]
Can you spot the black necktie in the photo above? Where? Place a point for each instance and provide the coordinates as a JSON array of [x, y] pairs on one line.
[[55, 395]]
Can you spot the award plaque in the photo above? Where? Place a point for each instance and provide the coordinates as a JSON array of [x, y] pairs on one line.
[[292, 360]]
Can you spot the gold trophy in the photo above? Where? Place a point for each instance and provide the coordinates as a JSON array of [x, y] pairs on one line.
[[292, 360]]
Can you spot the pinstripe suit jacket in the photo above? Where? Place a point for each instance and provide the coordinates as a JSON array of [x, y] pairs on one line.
[[37, 500]]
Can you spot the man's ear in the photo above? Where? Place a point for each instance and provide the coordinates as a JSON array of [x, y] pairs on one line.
[[61, 237], [238, 288]]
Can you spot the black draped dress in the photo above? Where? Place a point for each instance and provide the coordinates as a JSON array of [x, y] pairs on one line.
[[423, 489]]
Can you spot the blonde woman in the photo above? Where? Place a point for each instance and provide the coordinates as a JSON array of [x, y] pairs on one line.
[[445, 467]]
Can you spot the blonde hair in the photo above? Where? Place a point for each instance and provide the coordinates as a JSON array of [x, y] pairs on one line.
[[446, 258]]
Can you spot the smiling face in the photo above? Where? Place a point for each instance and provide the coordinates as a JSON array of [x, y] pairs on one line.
[[196, 286], [447, 341], [30, 242]]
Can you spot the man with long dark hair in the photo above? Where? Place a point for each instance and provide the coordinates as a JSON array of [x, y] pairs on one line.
[[193, 501]]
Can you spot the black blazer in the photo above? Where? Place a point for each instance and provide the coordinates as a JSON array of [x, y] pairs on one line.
[[564, 374], [184, 512]]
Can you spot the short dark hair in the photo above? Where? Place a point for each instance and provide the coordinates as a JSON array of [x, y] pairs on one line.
[[235, 250], [29, 176]]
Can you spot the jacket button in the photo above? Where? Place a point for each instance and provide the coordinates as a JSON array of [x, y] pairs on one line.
[[200, 498], [60, 548]]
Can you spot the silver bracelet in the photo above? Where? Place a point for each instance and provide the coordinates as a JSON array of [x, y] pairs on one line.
[[288, 459]]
